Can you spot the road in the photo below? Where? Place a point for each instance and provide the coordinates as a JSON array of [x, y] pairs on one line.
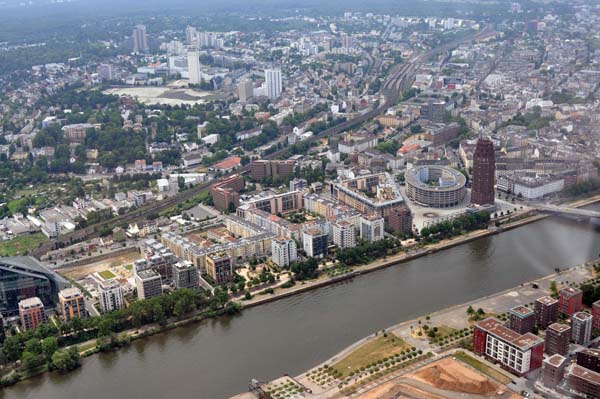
[[398, 81]]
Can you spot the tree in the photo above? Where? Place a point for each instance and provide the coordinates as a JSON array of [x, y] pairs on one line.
[[30, 361], [553, 289], [470, 310], [66, 360], [49, 346], [12, 348]]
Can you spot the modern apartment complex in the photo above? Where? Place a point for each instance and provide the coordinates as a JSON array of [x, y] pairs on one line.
[[72, 304], [32, 313], [518, 353]]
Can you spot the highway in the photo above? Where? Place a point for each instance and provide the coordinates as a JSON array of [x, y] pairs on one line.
[[398, 81]]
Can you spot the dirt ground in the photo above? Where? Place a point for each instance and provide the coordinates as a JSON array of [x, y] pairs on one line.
[[446, 378], [79, 272]]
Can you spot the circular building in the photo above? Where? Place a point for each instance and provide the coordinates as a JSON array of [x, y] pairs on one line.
[[435, 186]]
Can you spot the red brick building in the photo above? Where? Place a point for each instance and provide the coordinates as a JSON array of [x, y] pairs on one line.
[[557, 339], [262, 169], [522, 319], [596, 315], [570, 301], [518, 353], [546, 311], [227, 191]]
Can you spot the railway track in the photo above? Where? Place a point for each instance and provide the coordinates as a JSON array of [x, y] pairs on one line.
[[397, 83]]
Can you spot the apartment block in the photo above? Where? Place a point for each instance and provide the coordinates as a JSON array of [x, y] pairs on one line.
[[546, 311], [522, 319], [72, 303], [557, 339], [518, 353], [32, 313]]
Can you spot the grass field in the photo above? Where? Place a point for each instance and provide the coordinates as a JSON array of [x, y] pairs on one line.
[[370, 352], [484, 368], [107, 274], [22, 245]]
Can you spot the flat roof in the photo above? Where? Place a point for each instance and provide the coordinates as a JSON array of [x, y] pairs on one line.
[[495, 327], [585, 374], [582, 316], [521, 311], [559, 327], [547, 300], [556, 360]]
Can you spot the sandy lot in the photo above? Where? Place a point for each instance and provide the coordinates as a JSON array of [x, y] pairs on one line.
[[446, 378], [79, 272], [161, 95]]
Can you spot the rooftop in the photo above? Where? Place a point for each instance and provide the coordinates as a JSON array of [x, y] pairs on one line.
[[547, 300], [582, 316], [29, 303], [228, 163], [495, 327], [556, 360], [559, 327], [69, 293], [583, 373], [521, 311]]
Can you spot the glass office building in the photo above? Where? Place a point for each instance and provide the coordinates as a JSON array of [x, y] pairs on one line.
[[24, 277]]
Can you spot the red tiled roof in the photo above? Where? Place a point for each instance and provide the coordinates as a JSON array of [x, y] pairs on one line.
[[228, 163]]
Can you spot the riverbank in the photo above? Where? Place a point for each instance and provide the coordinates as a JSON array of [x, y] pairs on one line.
[[252, 321], [453, 318], [522, 220]]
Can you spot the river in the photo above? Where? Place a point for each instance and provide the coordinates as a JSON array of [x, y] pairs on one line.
[[216, 358]]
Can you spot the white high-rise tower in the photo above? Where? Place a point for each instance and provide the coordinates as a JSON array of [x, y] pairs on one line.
[[273, 83], [194, 66]]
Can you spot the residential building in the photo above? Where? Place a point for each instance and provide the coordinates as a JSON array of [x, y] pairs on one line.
[[583, 382], [484, 172], [23, 277], [32, 313], [553, 370], [226, 192], [110, 295], [372, 227], [596, 315], [518, 353], [245, 90], [315, 242], [148, 284], [298, 184], [219, 267], [284, 251], [261, 169], [521, 319], [193, 61], [140, 39], [72, 304], [273, 83], [570, 301], [557, 339], [378, 194], [581, 328], [344, 234], [546, 311], [186, 275], [590, 359]]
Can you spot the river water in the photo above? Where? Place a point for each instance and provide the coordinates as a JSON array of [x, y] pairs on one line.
[[216, 358]]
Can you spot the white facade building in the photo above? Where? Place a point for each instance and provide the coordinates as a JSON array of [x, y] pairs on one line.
[[344, 234], [273, 83], [372, 228], [110, 295], [284, 251], [194, 67]]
